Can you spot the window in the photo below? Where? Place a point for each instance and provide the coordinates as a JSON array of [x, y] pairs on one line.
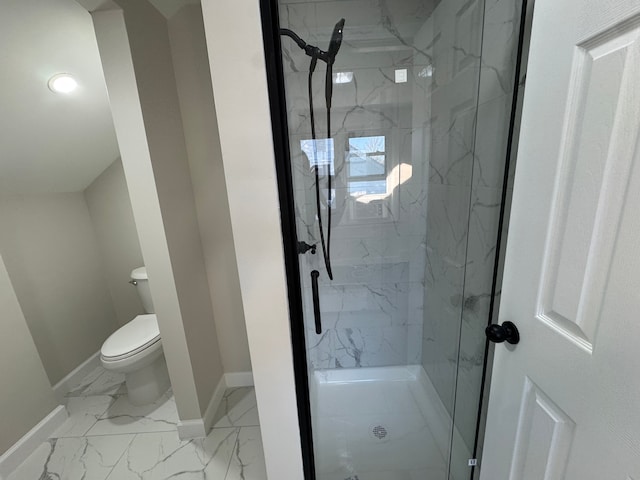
[[320, 153], [367, 166]]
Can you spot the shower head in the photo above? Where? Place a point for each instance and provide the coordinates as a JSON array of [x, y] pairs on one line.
[[334, 45], [330, 58], [336, 41]]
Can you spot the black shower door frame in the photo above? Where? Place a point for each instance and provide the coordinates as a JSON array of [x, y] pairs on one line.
[[278, 110], [277, 101]]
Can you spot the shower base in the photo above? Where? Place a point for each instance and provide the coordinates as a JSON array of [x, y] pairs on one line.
[[379, 424]]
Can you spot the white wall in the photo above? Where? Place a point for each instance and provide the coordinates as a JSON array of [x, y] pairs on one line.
[[236, 57], [193, 80], [51, 254], [149, 128], [26, 396], [112, 218]]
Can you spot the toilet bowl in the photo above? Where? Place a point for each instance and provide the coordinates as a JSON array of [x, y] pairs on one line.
[[135, 349]]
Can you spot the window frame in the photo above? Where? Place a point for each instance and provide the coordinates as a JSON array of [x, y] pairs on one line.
[[367, 178]]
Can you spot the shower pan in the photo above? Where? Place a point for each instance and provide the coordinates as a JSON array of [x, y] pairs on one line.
[[391, 208]]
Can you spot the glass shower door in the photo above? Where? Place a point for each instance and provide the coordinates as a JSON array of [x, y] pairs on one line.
[[384, 203]]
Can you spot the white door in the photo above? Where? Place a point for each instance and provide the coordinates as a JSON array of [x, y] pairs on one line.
[[565, 402]]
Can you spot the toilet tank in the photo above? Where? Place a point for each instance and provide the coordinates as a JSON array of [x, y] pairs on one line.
[[140, 279]]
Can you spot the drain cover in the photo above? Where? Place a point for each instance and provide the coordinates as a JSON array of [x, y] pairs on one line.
[[380, 432]]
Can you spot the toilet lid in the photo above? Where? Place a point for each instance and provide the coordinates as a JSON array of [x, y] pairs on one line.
[[136, 335]]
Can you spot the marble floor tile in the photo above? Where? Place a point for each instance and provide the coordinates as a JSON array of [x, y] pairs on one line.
[[86, 381], [123, 417], [99, 382], [247, 462], [82, 458], [84, 412], [238, 409], [106, 437], [158, 456]]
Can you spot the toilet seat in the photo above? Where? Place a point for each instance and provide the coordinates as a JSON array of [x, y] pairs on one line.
[[138, 335]]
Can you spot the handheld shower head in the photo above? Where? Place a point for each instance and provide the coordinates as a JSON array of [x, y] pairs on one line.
[[329, 58], [334, 46], [336, 41]]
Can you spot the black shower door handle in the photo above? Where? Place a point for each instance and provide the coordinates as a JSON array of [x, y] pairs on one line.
[[316, 300]]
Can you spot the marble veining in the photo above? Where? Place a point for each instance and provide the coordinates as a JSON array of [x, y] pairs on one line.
[[100, 382], [373, 320], [73, 458], [124, 417], [247, 460], [238, 409], [107, 438], [163, 455], [83, 412]]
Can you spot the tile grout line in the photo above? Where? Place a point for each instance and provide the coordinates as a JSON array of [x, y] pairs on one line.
[[120, 434], [233, 449], [126, 449]]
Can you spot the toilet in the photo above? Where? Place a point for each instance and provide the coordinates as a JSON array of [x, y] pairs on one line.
[[135, 349]]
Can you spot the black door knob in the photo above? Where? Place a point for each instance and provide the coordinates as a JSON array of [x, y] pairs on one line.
[[507, 332]]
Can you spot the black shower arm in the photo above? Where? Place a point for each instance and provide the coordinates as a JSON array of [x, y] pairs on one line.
[[310, 50]]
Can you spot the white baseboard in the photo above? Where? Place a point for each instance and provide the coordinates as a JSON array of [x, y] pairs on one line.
[[64, 386], [238, 379], [189, 429], [18, 453], [216, 400], [199, 427]]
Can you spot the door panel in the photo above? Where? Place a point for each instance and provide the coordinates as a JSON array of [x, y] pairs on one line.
[[564, 402], [594, 161], [543, 439]]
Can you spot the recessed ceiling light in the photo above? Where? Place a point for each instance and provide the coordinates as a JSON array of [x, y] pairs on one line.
[[62, 83]]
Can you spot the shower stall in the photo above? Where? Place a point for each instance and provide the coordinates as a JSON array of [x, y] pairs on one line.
[[392, 164]]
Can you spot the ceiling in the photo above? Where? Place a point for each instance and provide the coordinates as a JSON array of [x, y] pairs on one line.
[[60, 143], [53, 142], [169, 7]]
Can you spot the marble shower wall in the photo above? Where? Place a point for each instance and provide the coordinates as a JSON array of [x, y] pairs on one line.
[[373, 309], [413, 266], [455, 38]]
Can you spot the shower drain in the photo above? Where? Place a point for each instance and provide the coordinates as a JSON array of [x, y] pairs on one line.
[[379, 432]]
